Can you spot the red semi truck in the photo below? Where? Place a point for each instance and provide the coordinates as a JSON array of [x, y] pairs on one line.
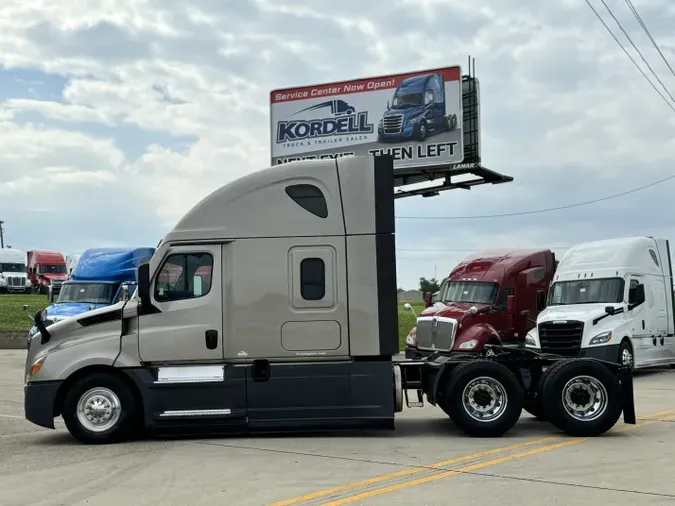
[[490, 297], [45, 269]]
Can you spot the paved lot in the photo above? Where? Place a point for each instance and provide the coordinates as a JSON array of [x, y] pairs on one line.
[[424, 462]]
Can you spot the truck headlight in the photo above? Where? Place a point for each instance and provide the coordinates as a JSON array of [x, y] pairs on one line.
[[605, 337], [468, 345], [412, 121], [530, 341]]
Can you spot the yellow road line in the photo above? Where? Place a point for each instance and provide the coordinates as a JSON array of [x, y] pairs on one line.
[[420, 469], [482, 465], [408, 472]]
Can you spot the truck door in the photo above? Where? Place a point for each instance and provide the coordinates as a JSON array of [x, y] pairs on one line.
[[643, 343], [181, 341]]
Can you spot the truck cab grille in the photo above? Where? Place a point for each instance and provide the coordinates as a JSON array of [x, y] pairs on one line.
[[393, 124], [436, 335], [561, 338], [16, 282]]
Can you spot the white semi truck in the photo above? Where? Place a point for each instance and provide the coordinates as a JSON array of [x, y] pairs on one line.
[[13, 277], [272, 306], [611, 300]]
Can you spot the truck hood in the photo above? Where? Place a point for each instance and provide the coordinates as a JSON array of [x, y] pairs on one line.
[[450, 309], [58, 312], [54, 277], [68, 330], [68, 309], [407, 112], [581, 312]]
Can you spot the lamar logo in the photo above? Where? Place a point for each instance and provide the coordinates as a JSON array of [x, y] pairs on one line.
[[344, 120]]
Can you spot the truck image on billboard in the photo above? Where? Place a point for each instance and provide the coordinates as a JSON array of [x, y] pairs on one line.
[[416, 117]]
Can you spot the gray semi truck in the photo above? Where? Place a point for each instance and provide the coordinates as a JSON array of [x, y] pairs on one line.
[[271, 306]]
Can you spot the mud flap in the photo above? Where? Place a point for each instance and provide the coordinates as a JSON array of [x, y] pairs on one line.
[[626, 379]]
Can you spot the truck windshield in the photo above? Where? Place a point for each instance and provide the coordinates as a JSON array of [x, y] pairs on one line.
[[89, 293], [407, 100], [586, 291], [12, 268], [52, 269], [475, 292]]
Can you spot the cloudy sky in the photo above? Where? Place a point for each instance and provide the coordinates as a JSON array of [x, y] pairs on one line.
[[117, 116]]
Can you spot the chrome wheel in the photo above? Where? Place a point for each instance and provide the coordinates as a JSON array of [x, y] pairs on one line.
[[99, 409], [423, 130], [484, 399], [584, 398], [626, 357]]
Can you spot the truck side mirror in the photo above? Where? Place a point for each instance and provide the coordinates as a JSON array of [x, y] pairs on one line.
[[510, 300], [388, 105], [124, 295], [50, 295], [427, 299], [525, 313], [144, 283]]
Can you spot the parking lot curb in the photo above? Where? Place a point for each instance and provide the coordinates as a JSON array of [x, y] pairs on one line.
[[13, 339]]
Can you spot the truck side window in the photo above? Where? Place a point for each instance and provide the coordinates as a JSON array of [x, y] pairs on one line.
[[312, 279], [310, 198], [184, 276], [501, 299]]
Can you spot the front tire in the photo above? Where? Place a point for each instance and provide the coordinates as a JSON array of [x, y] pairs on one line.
[[100, 409], [483, 398], [626, 356], [582, 398]]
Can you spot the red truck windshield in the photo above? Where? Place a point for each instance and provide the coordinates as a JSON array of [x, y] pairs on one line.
[[52, 269], [475, 292]]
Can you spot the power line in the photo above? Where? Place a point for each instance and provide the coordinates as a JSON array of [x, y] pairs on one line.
[[636, 49], [630, 57], [537, 211], [644, 27]]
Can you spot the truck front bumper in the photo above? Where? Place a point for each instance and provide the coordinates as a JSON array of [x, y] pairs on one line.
[[413, 353], [39, 401], [609, 353]]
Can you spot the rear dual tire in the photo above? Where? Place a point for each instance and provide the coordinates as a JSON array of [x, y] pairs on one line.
[[583, 398]]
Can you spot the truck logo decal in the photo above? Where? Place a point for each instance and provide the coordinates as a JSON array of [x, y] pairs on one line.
[[344, 120], [434, 332], [559, 321]]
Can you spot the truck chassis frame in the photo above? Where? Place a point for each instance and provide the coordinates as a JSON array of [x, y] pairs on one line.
[[484, 393]]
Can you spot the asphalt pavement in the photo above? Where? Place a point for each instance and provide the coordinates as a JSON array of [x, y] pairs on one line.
[[426, 461]]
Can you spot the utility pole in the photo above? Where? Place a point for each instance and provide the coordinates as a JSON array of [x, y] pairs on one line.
[[2, 239]]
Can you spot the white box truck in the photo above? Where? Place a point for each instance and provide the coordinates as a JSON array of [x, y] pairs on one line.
[[272, 306], [612, 300]]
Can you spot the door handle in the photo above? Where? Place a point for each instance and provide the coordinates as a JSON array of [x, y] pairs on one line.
[[211, 337]]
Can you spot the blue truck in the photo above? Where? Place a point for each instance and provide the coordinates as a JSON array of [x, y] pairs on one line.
[[417, 110], [103, 277]]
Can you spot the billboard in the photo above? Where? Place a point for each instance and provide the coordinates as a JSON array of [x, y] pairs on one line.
[[416, 117]]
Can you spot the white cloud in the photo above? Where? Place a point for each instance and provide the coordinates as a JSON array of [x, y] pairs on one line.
[[563, 110]]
